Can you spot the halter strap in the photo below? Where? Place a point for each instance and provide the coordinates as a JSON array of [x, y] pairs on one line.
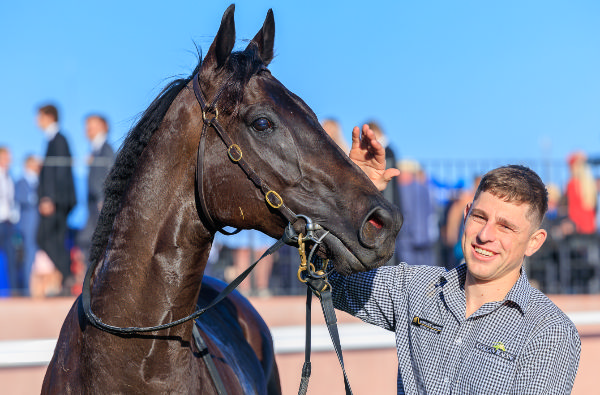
[[234, 152]]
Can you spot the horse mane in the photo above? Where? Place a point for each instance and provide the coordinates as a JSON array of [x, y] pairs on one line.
[[242, 64]]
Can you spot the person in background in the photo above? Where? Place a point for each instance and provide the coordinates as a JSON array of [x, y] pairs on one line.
[[101, 160], [417, 237], [8, 217], [26, 198], [557, 221], [56, 193], [333, 129], [581, 194], [246, 247]]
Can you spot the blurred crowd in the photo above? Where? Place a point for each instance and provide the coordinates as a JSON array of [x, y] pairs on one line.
[[40, 256]]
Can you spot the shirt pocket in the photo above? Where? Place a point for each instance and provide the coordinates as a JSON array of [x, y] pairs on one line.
[[486, 371], [426, 336]]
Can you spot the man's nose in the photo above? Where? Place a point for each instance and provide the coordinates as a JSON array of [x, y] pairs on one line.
[[487, 232]]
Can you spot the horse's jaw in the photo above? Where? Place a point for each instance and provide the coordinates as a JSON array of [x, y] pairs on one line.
[[345, 261]]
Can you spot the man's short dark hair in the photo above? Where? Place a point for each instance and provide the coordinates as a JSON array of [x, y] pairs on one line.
[[517, 184], [51, 110]]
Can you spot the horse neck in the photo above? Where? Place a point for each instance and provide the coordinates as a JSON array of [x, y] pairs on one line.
[[158, 249]]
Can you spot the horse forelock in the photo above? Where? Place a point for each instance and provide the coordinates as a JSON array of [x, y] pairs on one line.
[[236, 73]]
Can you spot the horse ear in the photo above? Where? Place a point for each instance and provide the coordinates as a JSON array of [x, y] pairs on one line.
[[265, 39], [224, 41]]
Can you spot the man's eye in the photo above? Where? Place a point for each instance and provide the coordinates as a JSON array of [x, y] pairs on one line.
[[261, 124]]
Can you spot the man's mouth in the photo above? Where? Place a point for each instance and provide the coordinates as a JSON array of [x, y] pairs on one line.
[[483, 252]]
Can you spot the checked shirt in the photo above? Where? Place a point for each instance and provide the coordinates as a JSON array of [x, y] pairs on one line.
[[521, 345]]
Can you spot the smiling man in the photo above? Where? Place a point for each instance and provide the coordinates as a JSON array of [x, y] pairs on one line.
[[480, 328]]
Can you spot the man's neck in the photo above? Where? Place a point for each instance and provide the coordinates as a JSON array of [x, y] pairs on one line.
[[31, 176], [98, 141], [478, 293], [51, 130]]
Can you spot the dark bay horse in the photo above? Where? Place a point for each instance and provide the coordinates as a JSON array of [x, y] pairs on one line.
[[174, 184]]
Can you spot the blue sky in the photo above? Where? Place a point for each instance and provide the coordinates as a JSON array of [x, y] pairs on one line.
[[508, 80]]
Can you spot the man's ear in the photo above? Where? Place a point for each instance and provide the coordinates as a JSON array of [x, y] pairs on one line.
[[536, 240], [467, 209]]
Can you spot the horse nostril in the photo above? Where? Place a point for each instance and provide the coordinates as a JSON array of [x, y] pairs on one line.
[[376, 222], [372, 230]]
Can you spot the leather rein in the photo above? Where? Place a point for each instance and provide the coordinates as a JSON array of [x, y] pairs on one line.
[[315, 278]]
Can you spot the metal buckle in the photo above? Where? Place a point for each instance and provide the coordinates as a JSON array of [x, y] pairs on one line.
[[269, 200], [291, 237], [205, 118], [238, 149]]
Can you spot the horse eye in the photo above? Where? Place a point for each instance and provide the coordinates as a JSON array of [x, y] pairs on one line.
[[262, 124]]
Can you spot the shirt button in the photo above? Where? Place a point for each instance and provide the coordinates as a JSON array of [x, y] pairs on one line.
[[458, 341]]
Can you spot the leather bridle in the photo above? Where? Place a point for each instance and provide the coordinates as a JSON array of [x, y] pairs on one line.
[[210, 115]]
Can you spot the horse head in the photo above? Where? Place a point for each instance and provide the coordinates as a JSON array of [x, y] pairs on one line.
[[281, 140]]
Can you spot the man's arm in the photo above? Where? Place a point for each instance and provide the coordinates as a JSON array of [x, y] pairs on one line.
[[370, 296], [549, 363], [369, 155]]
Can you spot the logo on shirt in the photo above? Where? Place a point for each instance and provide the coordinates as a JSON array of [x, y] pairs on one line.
[[497, 349], [499, 346]]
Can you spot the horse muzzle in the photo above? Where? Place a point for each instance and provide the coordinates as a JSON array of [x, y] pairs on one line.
[[376, 240], [372, 246]]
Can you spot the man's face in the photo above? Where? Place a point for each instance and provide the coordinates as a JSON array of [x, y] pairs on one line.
[[44, 120], [5, 159], [93, 127], [497, 237]]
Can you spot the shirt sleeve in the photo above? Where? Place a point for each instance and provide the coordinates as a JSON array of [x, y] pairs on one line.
[[549, 362], [372, 296]]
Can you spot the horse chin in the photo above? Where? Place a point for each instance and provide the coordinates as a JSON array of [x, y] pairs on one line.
[[345, 262]]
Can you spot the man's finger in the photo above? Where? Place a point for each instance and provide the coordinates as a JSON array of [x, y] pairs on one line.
[[390, 173], [355, 135]]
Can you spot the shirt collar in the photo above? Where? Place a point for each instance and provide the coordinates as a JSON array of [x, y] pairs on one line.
[[51, 131], [30, 176], [520, 293], [452, 287], [98, 141], [454, 280], [383, 140]]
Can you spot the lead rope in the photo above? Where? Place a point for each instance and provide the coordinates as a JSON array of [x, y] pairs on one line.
[[317, 283]]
